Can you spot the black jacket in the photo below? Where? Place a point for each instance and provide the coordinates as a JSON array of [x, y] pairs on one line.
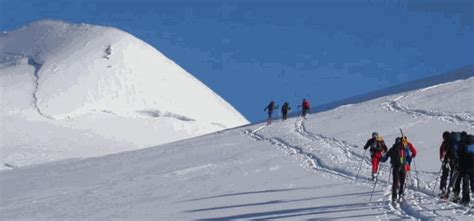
[[375, 145], [285, 108], [395, 154], [466, 155]]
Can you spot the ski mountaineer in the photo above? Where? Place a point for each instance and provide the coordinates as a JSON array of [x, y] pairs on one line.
[[410, 152], [454, 186], [445, 164], [397, 154], [305, 108], [285, 109], [466, 165], [270, 108], [377, 149]]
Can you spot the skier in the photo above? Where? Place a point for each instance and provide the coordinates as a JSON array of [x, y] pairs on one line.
[[272, 106], [410, 152], [397, 154], [454, 145], [305, 108], [466, 165], [445, 164], [377, 149], [285, 109]]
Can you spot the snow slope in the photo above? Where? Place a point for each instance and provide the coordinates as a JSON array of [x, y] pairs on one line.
[[292, 170], [64, 83]]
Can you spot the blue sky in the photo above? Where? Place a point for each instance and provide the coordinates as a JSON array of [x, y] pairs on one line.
[[251, 52]]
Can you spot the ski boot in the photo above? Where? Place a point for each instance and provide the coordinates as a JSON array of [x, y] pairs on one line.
[[456, 198], [442, 194], [401, 198], [394, 202], [374, 176]]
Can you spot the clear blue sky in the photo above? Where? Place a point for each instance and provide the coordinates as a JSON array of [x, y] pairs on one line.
[[251, 52]]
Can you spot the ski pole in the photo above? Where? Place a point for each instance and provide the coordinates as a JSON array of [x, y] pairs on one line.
[[390, 175], [416, 175], [436, 179], [411, 180], [360, 165], [373, 188]]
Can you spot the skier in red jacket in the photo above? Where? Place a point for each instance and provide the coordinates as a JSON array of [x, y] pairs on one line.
[[305, 108], [377, 149]]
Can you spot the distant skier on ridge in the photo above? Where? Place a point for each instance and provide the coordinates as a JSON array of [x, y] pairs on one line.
[[285, 109], [270, 108], [305, 108]]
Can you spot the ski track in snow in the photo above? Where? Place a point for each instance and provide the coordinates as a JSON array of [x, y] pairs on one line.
[[333, 142], [307, 160], [396, 105], [37, 66], [415, 206]]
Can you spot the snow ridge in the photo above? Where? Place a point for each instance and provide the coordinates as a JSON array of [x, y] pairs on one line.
[[100, 82]]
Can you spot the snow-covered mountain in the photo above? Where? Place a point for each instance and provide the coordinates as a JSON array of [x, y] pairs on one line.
[[78, 90], [291, 170]]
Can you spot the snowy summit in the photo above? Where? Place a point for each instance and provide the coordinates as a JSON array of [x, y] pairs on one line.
[[63, 84]]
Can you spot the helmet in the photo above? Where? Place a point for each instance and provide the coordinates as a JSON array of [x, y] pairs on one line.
[[446, 135], [398, 140], [375, 134]]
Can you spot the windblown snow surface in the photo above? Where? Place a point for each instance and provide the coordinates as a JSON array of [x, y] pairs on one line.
[[299, 169], [78, 90]]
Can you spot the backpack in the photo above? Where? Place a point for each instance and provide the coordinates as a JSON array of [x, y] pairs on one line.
[[408, 155], [285, 107], [306, 105], [403, 157], [378, 144], [470, 146], [470, 150], [453, 145]]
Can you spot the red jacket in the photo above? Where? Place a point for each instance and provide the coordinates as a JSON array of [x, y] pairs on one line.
[[443, 149], [412, 149]]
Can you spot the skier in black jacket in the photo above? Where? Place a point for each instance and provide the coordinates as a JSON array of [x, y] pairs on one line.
[[397, 154], [377, 149], [285, 109], [270, 108], [466, 167], [445, 164], [454, 146]]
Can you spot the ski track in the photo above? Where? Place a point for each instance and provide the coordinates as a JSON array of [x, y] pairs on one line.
[[334, 142], [310, 161], [396, 105], [413, 207]]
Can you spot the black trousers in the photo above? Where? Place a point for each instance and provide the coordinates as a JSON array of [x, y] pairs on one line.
[[284, 115], [467, 183], [399, 175], [305, 111], [456, 179]]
